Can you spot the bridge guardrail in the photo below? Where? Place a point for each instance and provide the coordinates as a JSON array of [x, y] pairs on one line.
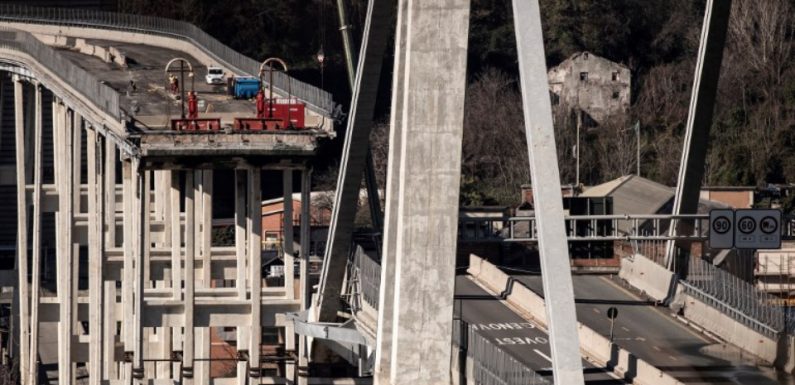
[[316, 99], [492, 365], [81, 80], [735, 297]]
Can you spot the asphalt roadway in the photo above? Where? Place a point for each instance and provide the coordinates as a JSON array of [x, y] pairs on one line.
[[522, 339], [654, 335]]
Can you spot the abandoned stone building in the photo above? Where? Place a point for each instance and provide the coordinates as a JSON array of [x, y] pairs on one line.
[[592, 84]]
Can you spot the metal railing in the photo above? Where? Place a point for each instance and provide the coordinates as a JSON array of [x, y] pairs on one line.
[[365, 275], [588, 228], [105, 97], [492, 365], [585, 228], [316, 99], [734, 297]]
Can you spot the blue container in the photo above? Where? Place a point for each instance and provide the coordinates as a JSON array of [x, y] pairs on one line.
[[246, 87]]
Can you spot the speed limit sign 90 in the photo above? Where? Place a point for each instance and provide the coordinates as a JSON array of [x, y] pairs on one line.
[[721, 229]]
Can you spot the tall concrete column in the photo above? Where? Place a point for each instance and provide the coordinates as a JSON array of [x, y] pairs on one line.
[[190, 274], [240, 232], [386, 294], [33, 366], [552, 241], [354, 157], [255, 270], [434, 81], [140, 219], [288, 239], [63, 235], [175, 219], [23, 292], [109, 358], [96, 250], [241, 248], [111, 154], [699, 119], [77, 149], [306, 289], [204, 183], [129, 179]]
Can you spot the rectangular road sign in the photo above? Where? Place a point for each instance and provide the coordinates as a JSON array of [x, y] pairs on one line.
[[721, 229], [757, 229]]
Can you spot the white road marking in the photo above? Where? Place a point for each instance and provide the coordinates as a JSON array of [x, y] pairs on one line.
[[672, 357], [625, 329], [542, 355], [595, 310], [656, 348]]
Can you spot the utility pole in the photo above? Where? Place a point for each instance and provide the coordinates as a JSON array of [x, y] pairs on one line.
[[637, 137]]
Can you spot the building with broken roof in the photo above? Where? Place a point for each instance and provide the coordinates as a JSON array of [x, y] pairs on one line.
[[585, 82]]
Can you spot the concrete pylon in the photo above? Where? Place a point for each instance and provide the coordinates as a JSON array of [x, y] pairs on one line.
[[699, 119], [432, 86], [552, 241]]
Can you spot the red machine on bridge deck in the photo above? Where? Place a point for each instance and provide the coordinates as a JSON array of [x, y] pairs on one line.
[[192, 121], [274, 114]]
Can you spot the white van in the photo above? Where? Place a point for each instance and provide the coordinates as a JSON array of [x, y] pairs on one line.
[[215, 75]]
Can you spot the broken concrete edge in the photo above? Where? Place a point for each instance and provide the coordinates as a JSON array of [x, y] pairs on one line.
[[594, 347]]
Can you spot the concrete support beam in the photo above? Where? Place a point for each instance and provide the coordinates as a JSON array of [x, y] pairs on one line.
[[129, 179], [111, 154], [96, 253], [354, 156], [63, 235], [141, 245], [188, 297], [287, 229], [552, 241], [254, 225], [434, 82], [240, 232], [23, 288], [699, 119], [176, 237], [386, 299], [109, 364], [306, 290], [33, 366], [204, 184]]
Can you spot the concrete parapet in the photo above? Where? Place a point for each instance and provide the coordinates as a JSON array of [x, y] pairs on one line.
[[594, 346], [117, 56], [729, 329], [647, 276]]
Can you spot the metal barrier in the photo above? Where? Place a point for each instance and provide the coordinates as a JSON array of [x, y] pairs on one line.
[[734, 297], [587, 228], [317, 99], [365, 274], [492, 365], [82, 81]]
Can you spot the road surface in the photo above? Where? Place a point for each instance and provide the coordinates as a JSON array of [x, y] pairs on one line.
[[520, 338], [652, 334]]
